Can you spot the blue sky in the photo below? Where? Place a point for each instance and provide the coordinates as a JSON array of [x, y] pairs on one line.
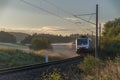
[[54, 16]]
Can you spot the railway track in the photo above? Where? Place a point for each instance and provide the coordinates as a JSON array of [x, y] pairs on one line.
[[35, 71]]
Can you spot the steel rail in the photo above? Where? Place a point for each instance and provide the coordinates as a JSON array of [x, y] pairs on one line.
[[74, 60]]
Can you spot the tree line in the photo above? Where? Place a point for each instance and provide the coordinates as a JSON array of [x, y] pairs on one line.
[[51, 38]]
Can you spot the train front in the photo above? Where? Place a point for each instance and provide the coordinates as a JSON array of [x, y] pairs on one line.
[[82, 45]]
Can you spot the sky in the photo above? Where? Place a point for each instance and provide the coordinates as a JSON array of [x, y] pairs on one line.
[[55, 16]]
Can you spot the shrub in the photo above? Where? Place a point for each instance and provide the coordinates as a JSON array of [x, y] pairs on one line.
[[52, 76], [110, 49], [40, 43], [109, 70], [88, 64]]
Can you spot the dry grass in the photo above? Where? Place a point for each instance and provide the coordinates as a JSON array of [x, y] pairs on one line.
[[50, 53], [110, 70]]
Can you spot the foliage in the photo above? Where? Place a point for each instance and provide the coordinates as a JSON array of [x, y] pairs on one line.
[[88, 64], [52, 76], [40, 43], [112, 28], [110, 49], [109, 70], [111, 39], [6, 37]]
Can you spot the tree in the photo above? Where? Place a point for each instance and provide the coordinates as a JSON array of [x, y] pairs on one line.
[[111, 39], [40, 43], [112, 28]]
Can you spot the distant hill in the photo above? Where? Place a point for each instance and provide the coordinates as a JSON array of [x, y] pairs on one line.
[[19, 36], [7, 37]]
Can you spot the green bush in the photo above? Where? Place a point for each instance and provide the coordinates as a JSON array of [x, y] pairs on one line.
[[110, 49], [40, 43], [88, 64]]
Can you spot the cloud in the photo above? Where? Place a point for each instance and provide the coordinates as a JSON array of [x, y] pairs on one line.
[[48, 28], [72, 19], [45, 29]]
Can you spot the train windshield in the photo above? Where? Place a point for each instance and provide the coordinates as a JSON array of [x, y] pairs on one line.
[[82, 41]]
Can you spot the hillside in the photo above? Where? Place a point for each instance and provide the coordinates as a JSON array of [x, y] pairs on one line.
[[7, 37], [19, 36]]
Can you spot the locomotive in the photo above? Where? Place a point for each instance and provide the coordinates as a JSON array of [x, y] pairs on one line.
[[84, 44]]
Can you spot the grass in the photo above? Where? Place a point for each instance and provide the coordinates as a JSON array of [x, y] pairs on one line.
[[15, 58], [110, 70], [13, 46]]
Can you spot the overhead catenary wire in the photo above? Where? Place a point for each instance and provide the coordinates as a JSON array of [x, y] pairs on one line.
[[78, 22], [87, 14], [84, 19], [58, 7], [90, 17], [37, 7], [44, 10], [47, 11]]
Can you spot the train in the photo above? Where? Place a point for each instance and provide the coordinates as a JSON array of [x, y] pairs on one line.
[[84, 45]]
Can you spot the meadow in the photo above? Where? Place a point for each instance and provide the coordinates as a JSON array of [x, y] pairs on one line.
[[14, 46], [14, 55]]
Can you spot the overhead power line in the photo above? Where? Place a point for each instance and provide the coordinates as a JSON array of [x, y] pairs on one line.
[[37, 7], [86, 14], [84, 19], [58, 7], [44, 10], [90, 17]]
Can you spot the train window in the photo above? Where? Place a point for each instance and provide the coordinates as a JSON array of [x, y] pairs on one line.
[[82, 42]]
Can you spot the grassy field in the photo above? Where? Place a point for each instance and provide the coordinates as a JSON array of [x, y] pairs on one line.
[[27, 50], [14, 55], [15, 58], [13, 46]]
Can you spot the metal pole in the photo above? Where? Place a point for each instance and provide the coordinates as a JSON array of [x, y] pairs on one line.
[[92, 35], [96, 49], [99, 38], [46, 57]]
